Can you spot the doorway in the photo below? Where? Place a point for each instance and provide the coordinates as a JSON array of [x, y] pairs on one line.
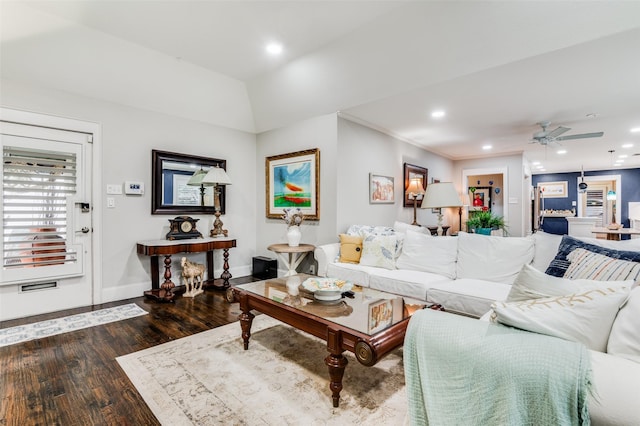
[[47, 208], [601, 199]]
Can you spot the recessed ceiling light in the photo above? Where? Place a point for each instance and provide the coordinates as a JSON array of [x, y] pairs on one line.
[[627, 145], [561, 151], [535, 163], [487, 147], [438, 114], [619, 160], [543, 170], [540, 167], [635, 130], [623, 156], [274, 48]]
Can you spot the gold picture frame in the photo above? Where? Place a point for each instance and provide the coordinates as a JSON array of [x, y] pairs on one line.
[[293, 180]]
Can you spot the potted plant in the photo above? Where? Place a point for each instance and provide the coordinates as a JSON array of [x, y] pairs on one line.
[[483, 222]]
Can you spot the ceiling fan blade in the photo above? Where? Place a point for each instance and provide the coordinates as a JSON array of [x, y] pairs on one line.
[[580, 136], [557, 132]]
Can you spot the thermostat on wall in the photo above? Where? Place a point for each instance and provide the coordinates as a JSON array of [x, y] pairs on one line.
[[134, 188]]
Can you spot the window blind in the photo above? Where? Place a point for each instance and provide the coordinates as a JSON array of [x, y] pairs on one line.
[[36, 184]]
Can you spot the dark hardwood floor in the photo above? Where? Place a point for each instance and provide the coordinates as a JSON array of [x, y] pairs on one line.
[[74, 378]]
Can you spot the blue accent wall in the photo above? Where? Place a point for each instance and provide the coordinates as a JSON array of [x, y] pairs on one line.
[[630, 193]]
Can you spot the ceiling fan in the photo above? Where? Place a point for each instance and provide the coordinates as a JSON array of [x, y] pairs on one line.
[[545, 136]]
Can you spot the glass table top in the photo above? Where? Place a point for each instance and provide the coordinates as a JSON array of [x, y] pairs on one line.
[[369, 311]]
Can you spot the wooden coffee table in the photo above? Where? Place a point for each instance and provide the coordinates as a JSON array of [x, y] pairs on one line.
[[371, 324]]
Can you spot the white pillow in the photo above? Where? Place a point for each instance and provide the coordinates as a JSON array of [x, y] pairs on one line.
[[584, 317], [402, 227], [596, 266], [546, 247], [497, 259], [379, 250], [421, 252], [624, 339], [533, 284]]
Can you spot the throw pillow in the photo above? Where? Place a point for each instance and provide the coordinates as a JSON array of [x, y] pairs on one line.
[[594, 266], [584, 317], [534, 284], [497, 259], [379, 250], [422, 252], [559, 265], [350, 248], [624, 339]]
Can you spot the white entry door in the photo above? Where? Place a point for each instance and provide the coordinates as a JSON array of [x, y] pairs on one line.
[[46, 220]]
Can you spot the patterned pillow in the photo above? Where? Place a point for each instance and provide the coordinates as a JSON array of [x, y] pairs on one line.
[[350, 248], [584, 317], [379, 250], [594, 266], [559, 265]]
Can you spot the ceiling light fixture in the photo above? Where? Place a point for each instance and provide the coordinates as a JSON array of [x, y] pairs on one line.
[[627, 145], [635, 130], [437, 114], [561, 151], [274, 48], [487, 147]]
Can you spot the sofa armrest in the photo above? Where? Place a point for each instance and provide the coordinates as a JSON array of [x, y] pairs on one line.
[[325, 254]]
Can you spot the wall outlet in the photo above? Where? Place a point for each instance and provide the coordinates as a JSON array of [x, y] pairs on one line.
[[111, 202]]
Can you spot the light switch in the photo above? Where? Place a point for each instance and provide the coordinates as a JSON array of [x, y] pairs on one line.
[[111, 202], [114, 189]]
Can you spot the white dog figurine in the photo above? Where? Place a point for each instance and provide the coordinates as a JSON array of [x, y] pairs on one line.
[[192, 272]]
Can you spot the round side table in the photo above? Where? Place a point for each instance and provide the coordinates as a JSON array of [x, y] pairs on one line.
[[295, 255]]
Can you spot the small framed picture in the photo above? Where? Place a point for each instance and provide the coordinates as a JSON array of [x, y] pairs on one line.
[[381, 189], [553, 189], [380, 315]]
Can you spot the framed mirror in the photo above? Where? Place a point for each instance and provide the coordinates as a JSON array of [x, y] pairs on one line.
[[171, 191]]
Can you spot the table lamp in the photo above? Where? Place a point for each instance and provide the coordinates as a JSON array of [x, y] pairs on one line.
[[196, 180], [217, 177], [415, 193], [440, 195]]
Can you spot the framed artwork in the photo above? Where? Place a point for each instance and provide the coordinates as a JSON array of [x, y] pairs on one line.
[[380, 315], [553, 189], [411, 172], [480, 198], [293, 180], [381, 189]]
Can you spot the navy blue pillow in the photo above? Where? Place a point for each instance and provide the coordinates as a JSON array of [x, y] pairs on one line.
[[560, 264]]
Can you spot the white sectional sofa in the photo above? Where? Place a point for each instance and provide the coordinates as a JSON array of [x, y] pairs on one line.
[[467, 274]]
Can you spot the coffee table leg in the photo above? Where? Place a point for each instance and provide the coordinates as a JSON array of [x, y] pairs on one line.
[[336, 363], [246, 319]]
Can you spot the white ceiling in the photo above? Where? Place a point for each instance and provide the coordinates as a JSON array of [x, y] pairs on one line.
[[497, 68]]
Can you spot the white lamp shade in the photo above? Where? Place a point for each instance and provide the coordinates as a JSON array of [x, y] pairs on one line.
[[196, 179], [216, 176], [442, 194], [415, 187]]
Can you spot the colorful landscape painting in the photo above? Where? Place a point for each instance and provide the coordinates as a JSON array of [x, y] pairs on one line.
[[292, 185]]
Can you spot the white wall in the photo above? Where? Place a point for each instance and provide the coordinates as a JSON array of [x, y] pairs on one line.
[[128, 136], [361, 151]]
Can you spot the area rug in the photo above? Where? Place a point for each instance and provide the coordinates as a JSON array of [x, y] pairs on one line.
[[23, 333], [208, 379]]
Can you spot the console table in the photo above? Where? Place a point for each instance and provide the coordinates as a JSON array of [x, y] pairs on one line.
[[295, 255], [166, 248]]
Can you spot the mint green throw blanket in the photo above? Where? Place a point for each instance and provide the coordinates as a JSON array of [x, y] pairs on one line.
[[462, 371]]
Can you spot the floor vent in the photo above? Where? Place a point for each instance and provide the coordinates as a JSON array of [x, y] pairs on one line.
[[39, 286]]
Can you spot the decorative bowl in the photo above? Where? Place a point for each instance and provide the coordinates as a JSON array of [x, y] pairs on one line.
[[327, 289]]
